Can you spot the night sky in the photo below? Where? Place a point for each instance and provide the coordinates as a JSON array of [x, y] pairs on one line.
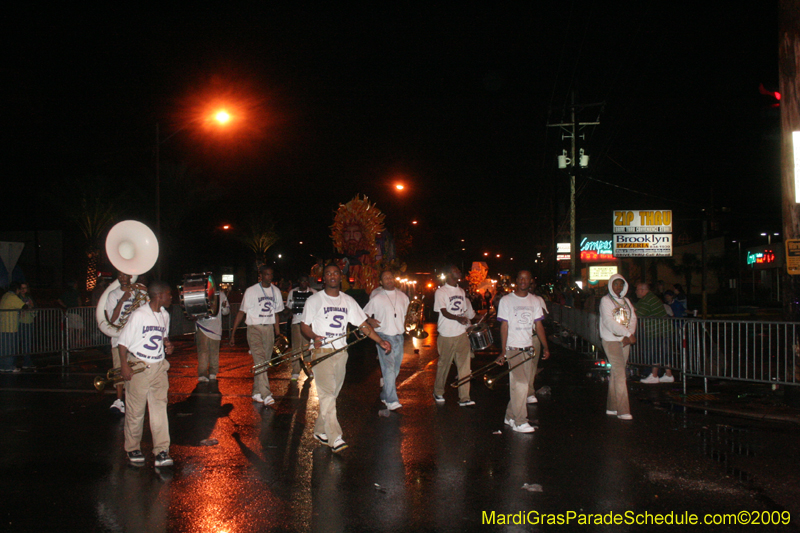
[[452, 100]]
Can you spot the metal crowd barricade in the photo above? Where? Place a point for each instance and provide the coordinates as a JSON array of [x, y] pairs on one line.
[[762, 352]]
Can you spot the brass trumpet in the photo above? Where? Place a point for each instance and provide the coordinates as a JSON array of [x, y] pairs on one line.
[[485, 371], [114, 376]]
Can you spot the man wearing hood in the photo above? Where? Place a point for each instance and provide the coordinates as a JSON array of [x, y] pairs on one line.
[[617, 328]]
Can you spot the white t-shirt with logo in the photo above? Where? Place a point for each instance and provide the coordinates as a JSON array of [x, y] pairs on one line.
[[111, 303], [211, 326], [521, 315], [297, 318], [261, 304], [328, 316], [389, 308], [455, 301], [144, 334]]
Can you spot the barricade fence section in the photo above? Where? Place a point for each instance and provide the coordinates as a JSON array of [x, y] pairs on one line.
[[48, 331], [764, 352]]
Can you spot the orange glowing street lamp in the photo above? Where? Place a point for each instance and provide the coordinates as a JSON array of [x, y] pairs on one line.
[[222, 117]]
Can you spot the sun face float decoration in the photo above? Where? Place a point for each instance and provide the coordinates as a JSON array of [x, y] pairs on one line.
[[355, 228]]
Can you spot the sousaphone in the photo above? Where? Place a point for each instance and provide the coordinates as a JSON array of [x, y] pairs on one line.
[[132, 248]]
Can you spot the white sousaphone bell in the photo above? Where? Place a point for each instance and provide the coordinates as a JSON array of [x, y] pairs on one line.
[[132, 248]]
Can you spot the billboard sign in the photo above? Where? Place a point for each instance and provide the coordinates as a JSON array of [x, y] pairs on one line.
[[642, 245], [563, 251], [642, 221]]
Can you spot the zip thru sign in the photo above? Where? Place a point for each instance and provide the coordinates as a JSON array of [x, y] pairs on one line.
[[643, 222]]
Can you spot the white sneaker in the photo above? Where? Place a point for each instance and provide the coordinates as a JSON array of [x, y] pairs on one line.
[[202, 379], [438, 399], [295, 376], [119, 405], [533, 399], [625, 417], [269, 400], [523, 428], [257, 398], [393, 406], [666, 379], [322, 437], [212, 376], [508, 422], [466, 403], [651, 379], [611, 413], [339, 444]]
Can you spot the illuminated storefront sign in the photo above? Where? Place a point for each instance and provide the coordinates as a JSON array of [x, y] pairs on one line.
[[601, 272], [765, 257], [563, 251], [642, 245], [595, 248]]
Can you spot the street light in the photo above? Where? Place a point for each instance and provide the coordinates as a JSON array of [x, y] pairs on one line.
[[221, 117]]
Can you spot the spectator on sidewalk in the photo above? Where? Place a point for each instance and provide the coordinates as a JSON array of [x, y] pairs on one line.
[[649, 306]]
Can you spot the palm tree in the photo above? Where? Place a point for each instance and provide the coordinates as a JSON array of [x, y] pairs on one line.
[[260, 236]]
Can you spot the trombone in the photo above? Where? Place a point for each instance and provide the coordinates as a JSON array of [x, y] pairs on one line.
[[114, 375], [282, 356], [484, 370], [360, 336], [491, 381]]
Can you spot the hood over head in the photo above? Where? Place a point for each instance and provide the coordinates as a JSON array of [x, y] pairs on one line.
[[624, 285]]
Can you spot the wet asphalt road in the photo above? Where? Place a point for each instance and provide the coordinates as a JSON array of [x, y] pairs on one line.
[[423, 468]]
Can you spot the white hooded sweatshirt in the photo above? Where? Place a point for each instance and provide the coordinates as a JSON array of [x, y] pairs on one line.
[[610, 329]]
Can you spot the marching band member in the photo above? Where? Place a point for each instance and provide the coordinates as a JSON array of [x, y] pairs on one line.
[[118, 304], [455, 312], [208, 334], [326, 316], [388, 309], [296, 301], [519, 314], [617, 328], [261, 304], [145, 339]]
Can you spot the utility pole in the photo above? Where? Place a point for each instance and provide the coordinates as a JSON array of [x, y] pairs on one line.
[[789, 67], [570, 131]]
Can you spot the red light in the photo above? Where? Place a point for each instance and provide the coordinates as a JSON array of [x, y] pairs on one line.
[[777, 95]]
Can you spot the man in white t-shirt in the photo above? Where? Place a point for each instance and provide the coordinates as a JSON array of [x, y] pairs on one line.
[[519, 313], [296, 301], [388, 309], [260, 307], [455, 313], [118, 304], [145, 340], [208, 334], [325, 318]]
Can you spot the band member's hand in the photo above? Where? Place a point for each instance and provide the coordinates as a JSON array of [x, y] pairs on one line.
[[546, 354], [125, 371], [373, 323], [318, 342], [232, 342], [463, 320], [168, 347], [386, 346], [632, 339], [501, 359]]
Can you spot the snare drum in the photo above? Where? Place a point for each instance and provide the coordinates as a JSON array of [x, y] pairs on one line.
[[480, 337], [197, 295]]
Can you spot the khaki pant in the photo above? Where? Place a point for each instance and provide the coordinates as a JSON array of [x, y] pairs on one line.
[[617, 381], [147, 389], [329, 377], [537, 351], [207, 354], [261, 340], [297, 341], [518, 383], [453, 349]]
